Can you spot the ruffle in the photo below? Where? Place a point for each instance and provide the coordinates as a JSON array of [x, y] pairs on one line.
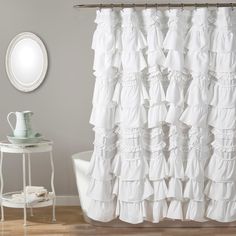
[[132, 37], [175, 189], [103, 133], [224, 62], [174, 93], [106, 17], [136, 212], [174, 61], [197, 37], [100, 168], [156, 115], [152, 22], [222, 211], [224, 17], [197, 93], [222, 118], [133, 61], [196, 211], [195, 116], [103, 140], [153, 18], [158, 167], [174, 40], [155, 59], [130, 169], [219, 191], [194, 190], [197, 62], [222, 41], [138, 190], [131, 117], [175, 163], [130, 212], [104, 89], [177, 27], [156, 91], [160, 190], [103, 211], [221, 169], [196, 164], [155, 211], [173, 114], [222, 96], [105, 36], [103, 60], [100, 190], [175, 210], [130, 91], [103, 117]]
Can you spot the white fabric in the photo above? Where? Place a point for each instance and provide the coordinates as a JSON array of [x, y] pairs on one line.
[[164, 115]]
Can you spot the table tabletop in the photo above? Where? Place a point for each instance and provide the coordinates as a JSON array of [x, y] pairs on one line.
[[42, 146]]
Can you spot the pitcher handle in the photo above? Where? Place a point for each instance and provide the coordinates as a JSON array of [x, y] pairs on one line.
[[8, 119]]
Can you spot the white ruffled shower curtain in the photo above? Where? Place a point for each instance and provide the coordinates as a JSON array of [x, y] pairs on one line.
[[164, 115]]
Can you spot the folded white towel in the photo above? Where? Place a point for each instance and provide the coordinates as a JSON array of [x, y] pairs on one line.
[[34, 194], [34, 189]]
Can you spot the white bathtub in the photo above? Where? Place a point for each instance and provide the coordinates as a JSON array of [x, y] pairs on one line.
[[81, 164]]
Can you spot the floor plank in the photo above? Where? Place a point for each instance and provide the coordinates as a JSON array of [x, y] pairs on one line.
[[70, 222]]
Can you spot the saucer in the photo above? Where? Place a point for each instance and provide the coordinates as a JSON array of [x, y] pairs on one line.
[[17, 140]]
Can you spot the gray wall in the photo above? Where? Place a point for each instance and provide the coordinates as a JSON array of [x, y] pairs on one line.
[[62, 104]]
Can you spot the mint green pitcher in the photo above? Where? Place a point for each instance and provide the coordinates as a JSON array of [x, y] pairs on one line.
[[23, 124]]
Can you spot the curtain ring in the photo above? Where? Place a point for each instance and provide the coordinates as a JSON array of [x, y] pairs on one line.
[[217, 5], [195, 4], [182, 6], [232, 6], [122, 6], [112, 6], [207, 5], [156, 5], [100, 7], [134, 5], [169, 6]]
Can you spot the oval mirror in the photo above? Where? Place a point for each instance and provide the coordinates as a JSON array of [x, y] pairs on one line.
[[26, 61]]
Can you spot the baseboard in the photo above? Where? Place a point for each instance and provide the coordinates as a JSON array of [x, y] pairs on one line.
[[67, 200]]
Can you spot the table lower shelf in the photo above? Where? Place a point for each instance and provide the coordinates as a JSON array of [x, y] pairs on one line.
[[8, 201]]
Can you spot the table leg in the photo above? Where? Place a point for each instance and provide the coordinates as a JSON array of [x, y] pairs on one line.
[[29, 176], [52, 187], [1, 177], [24, 189]]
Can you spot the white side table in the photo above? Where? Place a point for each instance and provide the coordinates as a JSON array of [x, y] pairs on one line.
[[26, 150]]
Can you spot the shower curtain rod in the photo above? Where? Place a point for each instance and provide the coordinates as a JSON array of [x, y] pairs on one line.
[[169, 5]]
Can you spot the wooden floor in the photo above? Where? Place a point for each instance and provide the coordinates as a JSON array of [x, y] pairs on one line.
[[70, 222]]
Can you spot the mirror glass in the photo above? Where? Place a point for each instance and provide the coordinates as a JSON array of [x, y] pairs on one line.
[[26, 62]]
